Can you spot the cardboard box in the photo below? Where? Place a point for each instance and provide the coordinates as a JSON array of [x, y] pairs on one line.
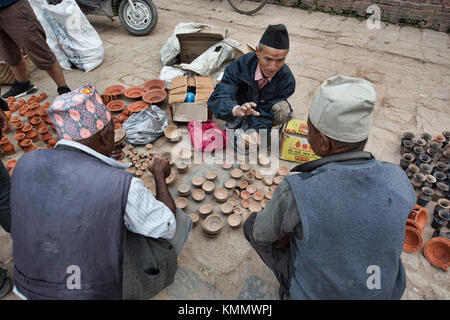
[[193, 45], [182, 111], [241, 50], [293, 143]]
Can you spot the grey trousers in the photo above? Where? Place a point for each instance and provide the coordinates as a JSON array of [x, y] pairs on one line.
[[277, 259], [184, 227]]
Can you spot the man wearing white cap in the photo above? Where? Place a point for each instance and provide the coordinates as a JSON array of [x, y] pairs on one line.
[[336, 230]]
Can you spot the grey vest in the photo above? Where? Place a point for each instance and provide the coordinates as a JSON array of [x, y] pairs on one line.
[[353, 218], [67, 214]]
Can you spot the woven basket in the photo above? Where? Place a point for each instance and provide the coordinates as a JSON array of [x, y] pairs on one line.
[[7, 76]]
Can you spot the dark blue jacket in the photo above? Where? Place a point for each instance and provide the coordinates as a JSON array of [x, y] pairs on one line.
[[238, 86], [7, 3]]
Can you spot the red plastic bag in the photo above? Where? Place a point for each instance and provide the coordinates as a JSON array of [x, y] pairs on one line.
[[206, 136]]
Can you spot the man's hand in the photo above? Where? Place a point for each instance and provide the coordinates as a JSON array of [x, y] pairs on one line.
[[245, 110], [160, 167], [3, 121]]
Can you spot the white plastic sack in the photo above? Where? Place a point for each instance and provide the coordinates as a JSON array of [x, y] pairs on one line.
[[212, 59], [145, 126], [75, 35], [171, 48], [168, 73], [52, 42]]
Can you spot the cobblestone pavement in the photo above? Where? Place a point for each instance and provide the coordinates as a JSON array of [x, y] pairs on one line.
[[409, 67]]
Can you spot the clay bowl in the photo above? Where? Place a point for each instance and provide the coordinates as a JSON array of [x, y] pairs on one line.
[[264, 203], [171, 132], [154, 84], [211, 176], [263, 160], [197, 181], [171, 178], [250, 177], [421, 218], [413, 240], [255, 207], [258, 196], [268, 194], [230, 184], [245, 203], [245, 194], [194, 217], [134, 92], [237, 210], [137, 106], [221, 194], [205, 210], [198, 195], [226, 208], [11, 164], [181, 166], [244, 167], [251, 189], [115, 91], [185, 154], [227, 166], [184, 189], [277, 180], [243, 185], [155, 96], [413, 224], [236, 173], [268, 181], [258, 175], [283, 171], [234, 220], [208, 186], [235, 193], [234, 202], [181, 203], [437, 252], [213, 224]]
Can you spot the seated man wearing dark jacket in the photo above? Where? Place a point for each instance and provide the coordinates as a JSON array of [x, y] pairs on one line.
[[253, 91]]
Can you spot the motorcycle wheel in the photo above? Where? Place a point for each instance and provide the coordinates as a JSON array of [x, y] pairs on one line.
[[143, 21]]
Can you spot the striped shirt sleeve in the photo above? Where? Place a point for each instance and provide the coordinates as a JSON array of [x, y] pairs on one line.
[[147, 216]]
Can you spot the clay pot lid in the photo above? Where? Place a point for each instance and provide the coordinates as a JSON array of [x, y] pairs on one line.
[[226, 208], [171, 178], [245, 194], [115, 90], [412, 223], [255, 207], [211, 175], [115, 106], [244, 167], [185, 154], [258, 175], [181, 203], [119, 136], [437, 252], [171, 132], [245, 203], [194, 217], [283, 171], [205, 209], [234, 220], [221, 194], [230, 184], [153, 84], [243, 185], [134, 92], [208, 186], [197, 181], [154, 96], [268, 181], [421, 218], [264, 160], [258, 196], [235, 193], [11, 164], [212, 224], [278, 179], [184, 189], [264, 203], [236, 173], [198, 195], [413, 240], [251, 188], [227, 166], [137, 106]]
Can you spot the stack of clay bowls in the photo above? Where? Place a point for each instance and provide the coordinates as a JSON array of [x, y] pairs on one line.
[[416, 222], [212, 225]]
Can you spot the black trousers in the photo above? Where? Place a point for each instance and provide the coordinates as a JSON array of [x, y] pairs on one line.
[[277, 259], [5, 209]]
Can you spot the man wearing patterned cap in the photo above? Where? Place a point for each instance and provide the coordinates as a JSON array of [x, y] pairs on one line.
[[336, 230], [254, 89], [82, 226]]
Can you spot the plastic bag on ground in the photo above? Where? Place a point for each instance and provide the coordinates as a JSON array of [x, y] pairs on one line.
[[38, 6], [75, 35], [168, 73], [171, 48], [145, 126]]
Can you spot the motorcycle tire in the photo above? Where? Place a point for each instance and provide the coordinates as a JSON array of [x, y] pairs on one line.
[[247, 7], [142, 24]]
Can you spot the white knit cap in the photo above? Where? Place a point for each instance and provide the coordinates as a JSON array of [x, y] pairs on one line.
[[342, 110]]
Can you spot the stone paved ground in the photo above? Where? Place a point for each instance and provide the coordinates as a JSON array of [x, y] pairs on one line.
[[409, 67]]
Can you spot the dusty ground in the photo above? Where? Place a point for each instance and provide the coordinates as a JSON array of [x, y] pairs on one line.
[[409, 67]]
